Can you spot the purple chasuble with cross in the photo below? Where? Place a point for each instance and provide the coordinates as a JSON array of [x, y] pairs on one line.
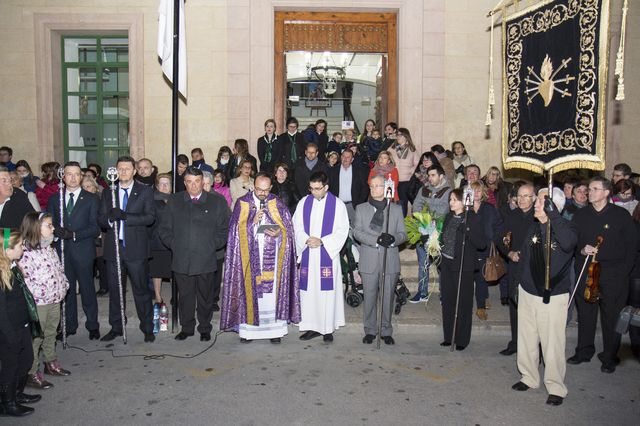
[[326, 264]]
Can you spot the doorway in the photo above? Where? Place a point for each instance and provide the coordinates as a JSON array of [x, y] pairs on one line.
[[335, 66]]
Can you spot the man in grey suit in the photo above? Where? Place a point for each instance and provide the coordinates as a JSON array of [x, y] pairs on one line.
[[369, 230]]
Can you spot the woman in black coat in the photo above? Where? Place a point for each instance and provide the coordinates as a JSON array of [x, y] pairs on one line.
[[453, 229], [241, 148], [160, 262], [269, 147], [283, 187]]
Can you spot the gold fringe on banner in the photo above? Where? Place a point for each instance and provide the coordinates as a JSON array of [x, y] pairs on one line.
[[620, 56]]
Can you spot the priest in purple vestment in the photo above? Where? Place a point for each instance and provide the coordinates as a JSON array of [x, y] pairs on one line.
[[261, 292]]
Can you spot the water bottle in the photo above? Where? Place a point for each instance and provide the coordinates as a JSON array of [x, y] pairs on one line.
[[164, 317], [156, 318]]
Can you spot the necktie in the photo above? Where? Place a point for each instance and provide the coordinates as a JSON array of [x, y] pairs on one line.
[[70, 204], [294, 153], [125, 200]]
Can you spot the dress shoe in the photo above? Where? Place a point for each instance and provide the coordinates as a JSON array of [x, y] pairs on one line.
[[616, 360], [54, 369], [183, 335], [445, 343], [102, 292], [577, 359], [555, 400], [508, 352], [94, 335], [310, 335], [482, 314], [608, 368], [37, 381], [520, 387], [243, 340], [368, 339], [205, 337], [388, 340], [328, 337], [216, 307], [460, 347], [23, 398], [276, 340], [110, 336], [69, 333], [149, 337], [504, 301]]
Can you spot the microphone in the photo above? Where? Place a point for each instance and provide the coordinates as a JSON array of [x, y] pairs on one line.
[[261, 204]]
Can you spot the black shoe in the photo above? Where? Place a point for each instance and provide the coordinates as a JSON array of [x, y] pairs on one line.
[[388, 340], [608, 368], [616, 360], [555, 400], [310, 335], [520, 387], [368, 339], [110, 336], [577, 359], [216, 307], [508, 352], [243, 340], [328, 337], [460, 348], [205, 337], [276, 340], [504, 301], [94, 335], [102, 292], [149, 337], [183, 335], [23, 398], [445, 343], [69, 333]]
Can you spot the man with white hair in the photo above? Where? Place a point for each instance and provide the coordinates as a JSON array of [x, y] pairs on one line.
[[540, 321]]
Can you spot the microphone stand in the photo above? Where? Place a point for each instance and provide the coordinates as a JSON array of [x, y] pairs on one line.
[[112, 176], [63, 321], [467, 203], [388, 196]]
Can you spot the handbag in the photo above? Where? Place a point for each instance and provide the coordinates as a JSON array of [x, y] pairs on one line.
[[494, 267]]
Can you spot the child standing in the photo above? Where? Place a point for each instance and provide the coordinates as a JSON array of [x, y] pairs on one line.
[[44, 275], [17, 313]]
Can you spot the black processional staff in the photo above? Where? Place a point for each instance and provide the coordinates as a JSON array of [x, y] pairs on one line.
[[546, 296], [112, 176], [468, 203], [389, 196], [61, 189]]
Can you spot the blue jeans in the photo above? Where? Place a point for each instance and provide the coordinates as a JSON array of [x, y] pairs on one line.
[[423, 271]]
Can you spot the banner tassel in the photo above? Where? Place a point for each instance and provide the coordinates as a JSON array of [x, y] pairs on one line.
[[620, 55]]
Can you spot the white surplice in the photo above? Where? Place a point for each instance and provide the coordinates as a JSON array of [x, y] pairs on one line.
[[269, 327], [322, 311]]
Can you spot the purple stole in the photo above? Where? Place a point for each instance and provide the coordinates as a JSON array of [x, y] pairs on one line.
[[326, 265]]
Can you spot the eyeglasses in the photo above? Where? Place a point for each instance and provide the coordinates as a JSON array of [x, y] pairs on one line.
[[262, 190], [312, 189]]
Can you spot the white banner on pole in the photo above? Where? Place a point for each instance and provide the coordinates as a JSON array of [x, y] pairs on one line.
[[165, 43]]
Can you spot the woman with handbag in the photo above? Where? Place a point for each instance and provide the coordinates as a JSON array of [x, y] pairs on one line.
[[492, 225]]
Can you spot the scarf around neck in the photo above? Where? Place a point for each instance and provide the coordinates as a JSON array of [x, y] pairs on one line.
[[378, 217]]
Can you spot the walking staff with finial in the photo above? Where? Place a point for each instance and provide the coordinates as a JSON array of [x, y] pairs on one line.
[[383, 277], [112, 176], [61, 189]]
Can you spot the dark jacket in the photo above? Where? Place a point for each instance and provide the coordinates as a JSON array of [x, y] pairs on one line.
[[13, 316], [287, 193], [475, 237], [359, 187], [15, 208], [83, 221], [161, 210], [302, 174], [276, 152], [501, 193], [300, 145], [564, 237], [194, 231], [141, 213], [518, 223], [493, 225], [322, 140]]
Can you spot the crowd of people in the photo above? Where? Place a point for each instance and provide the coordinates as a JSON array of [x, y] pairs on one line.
[[260, 240]]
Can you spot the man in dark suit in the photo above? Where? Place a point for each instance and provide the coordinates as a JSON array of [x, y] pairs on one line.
[[349, 183], [135, 213], [13, 204], [195, 225], [310, 164], [79, 230], [293, 143]]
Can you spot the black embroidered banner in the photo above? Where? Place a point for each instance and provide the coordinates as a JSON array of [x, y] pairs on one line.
[[555, 75]]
